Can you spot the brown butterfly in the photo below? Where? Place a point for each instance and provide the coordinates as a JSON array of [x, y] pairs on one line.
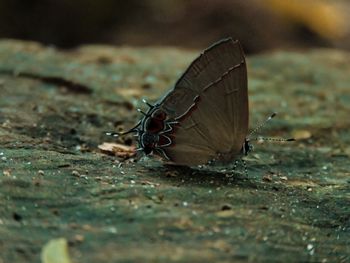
[[204, 118]]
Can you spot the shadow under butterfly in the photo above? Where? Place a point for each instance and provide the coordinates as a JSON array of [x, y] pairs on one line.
[[204, 118]]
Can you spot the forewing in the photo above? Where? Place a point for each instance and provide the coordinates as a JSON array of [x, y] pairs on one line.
[[205, 69], [190, 144], [210, 102], [209, 130]]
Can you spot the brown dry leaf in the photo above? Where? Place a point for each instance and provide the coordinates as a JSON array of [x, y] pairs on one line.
[[118, 149], [301, 134]]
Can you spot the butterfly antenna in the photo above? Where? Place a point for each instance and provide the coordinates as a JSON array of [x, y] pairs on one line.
[[147, 103], [272, 139], [134, 129], [261, 125], [117, 134], [142, 112]]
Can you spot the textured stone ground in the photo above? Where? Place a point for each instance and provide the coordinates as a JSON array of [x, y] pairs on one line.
[[294, 205]]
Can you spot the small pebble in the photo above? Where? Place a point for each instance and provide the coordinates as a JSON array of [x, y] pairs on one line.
[[79, 238], [284, 178], [6, 173], [267, 178], [75, 173]]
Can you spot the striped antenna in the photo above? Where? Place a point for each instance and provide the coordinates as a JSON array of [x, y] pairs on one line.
[[117, 134], [272, 139], [134, 129], [148, 104], [260, 126]]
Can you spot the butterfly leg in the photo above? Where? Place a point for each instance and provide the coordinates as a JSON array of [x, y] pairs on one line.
[[162, 153], [244, 167], [233, 171], [244, 164]]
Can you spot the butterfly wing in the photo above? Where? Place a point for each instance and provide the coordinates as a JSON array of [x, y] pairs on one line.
[[210, 102], [208, 67]]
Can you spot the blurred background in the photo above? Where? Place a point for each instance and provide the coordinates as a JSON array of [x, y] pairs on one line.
[[260, 25]]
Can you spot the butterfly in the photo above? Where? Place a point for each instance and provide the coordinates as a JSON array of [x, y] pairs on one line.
[[204, 118]]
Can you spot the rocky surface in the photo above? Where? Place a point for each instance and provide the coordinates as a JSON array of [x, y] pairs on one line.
[[294, 204]]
